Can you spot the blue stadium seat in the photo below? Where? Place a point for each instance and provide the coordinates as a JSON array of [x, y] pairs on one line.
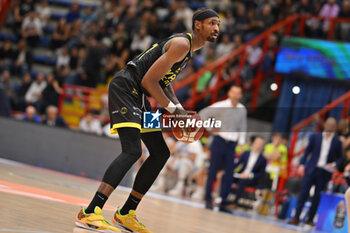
[[68, 3], [44, 59], [5, 36], [57, 15]]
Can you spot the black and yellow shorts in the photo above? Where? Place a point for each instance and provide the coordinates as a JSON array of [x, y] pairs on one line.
[[127, 102]]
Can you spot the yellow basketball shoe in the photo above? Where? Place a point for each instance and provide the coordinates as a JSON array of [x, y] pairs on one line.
[[94, 221], [129, 222]]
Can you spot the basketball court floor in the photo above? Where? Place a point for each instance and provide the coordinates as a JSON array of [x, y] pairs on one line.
[[36, 200]]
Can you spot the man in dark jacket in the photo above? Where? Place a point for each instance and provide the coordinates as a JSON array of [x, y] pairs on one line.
[[322, 155]]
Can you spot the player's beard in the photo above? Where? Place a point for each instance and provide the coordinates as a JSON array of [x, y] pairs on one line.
[[211, 39]]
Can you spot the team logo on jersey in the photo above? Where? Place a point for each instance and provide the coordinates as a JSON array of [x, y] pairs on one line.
[[123, 110], [151, 120], [135, 91]]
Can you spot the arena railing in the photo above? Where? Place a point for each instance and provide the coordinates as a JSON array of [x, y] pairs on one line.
[[88, 98]]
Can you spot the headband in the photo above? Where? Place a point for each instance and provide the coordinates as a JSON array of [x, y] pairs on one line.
[[205, 14]]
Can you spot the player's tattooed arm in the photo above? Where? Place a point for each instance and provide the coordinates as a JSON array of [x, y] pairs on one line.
[[169, 92]]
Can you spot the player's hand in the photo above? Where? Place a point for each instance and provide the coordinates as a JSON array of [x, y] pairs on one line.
[[180, 112], [182, 115], [331, 166], [244, 176]]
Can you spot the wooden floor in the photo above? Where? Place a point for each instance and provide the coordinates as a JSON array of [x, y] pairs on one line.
[[37, 200]]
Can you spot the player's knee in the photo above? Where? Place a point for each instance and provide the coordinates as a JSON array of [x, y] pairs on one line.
[[135, 152]]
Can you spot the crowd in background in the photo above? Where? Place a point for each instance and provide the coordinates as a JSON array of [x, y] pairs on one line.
[[90, 44]]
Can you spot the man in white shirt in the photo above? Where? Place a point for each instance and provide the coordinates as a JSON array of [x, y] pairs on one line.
[[233, 116], [35, 90], [322, 155], [251, 168], [90, 125], [31, 29]]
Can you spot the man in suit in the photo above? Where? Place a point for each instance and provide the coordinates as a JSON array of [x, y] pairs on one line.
[[233, 116], [325, 152], [251, 167]]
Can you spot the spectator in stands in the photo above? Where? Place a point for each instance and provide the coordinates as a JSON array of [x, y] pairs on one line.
[[344, 132], [250, 168], [113, 19], [73, 14], [237, 41], [326, 153], [141, 41], [277, 155], [112, 65], [262, 21], [31, 115], [130, 20], [53, 119], [6, 55], [241, 20], [5, 107], [254, 54], [21, 9], [269, 58], [87, 16], [34, 93], [190, 161], [344, 28], [44, 12], [329, 10], [153, 26], [93, 63], [184, 14], [89, 124], [228, 23], [231, 134], [286, 8], [60, 35], [22, 59], [74, 59], [120, 33], [75, 33], [32, 29], [21, 92], [8, 84], [51, 93], [225, 47], [304, 8], [63, 57]]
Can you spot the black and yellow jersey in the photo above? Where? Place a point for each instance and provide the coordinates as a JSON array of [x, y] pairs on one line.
[[145, 60]]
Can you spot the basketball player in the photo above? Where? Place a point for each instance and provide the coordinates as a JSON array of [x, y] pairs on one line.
[[150, 73]]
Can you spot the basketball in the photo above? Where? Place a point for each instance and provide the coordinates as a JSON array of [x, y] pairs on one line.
[[188, 132]]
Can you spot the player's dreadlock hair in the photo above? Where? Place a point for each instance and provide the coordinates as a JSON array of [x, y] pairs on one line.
[[203, 13]]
